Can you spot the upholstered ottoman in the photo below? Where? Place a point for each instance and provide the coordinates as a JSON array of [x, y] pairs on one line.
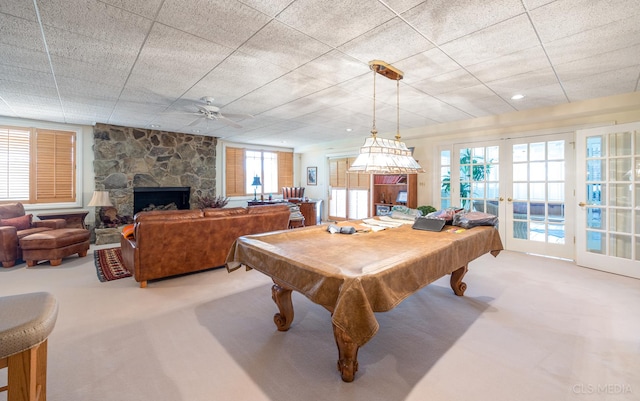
[[53, 245]]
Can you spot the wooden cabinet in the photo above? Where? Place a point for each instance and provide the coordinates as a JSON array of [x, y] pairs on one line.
[[386, 189]]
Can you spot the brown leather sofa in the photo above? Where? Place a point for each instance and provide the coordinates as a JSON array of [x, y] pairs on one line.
[[14, 225], [168, 243]]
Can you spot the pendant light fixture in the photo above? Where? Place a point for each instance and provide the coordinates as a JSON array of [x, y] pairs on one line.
[[379, 155]]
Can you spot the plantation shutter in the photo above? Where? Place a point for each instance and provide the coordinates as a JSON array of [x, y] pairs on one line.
[[358, 180], [14, 164], [338, 173], [285, 169], [54, 166], [234, 172]]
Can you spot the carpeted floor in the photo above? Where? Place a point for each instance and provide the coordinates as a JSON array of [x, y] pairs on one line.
[[528, 328]]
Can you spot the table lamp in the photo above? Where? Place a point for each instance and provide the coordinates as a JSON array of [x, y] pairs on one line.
[[256, 183], [100, 199]]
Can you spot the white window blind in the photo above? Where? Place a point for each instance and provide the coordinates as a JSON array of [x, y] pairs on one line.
[[14, 163]]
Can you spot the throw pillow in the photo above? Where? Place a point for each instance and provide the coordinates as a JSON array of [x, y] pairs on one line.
[[20, 223], [127, 231]]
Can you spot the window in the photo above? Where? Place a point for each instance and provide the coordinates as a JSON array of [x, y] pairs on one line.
[[349, 191], [37, 165], [274, 168]]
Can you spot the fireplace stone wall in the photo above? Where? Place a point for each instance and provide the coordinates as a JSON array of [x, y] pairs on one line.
[[126, 158]]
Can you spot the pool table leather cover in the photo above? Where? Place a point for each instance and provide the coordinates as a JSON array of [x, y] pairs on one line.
[[355, 275]]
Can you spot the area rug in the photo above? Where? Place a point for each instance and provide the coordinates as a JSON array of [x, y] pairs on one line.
[[109, 264]]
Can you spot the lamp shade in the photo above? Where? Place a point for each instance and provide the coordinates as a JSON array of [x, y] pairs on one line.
[[256, 181], [99, 199]]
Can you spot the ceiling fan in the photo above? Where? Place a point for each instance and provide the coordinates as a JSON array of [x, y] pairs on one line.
[[207, 111]]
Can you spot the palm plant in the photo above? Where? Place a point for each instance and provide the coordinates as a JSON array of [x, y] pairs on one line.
[[472, 169]]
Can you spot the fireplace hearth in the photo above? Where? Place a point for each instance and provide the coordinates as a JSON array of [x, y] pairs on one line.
[[143, 197]]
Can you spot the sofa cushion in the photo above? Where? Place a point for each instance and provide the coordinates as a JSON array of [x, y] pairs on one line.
[[10, 210], [20, 223], [164, 215], [267, 208], [224, 212]]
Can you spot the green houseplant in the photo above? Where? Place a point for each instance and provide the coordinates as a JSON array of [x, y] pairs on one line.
[[471, 168]]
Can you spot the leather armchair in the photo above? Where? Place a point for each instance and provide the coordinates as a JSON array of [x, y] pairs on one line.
[[292, 192], [15, 225]]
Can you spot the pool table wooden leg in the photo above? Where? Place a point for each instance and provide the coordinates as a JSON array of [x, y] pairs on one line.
[[347, 354], [281, 295], [457, 285]]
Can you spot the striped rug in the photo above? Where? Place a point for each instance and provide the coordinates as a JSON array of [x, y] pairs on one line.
[[109, 264]]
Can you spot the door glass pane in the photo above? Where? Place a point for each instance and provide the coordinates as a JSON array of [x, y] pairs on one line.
[[595, 195], [520, 190], [620, 144], [537, 191], [595, 170], [620, 195], [556, 233], [538, 171], [520, 152], [620, 220], [520, 229], [595, 218], [556, 171], [620, 245], [620, 169], [555, 150], [596, 242], [493, 172], [594, 146], [493, 154], [537, 151], [556, 211], [520, 172], [520, 210], [537, 232], [555, 191]]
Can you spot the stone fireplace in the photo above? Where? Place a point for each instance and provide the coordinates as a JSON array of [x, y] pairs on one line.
[[126, 158]]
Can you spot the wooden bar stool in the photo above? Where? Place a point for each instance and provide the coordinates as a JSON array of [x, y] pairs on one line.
[[26, 320]]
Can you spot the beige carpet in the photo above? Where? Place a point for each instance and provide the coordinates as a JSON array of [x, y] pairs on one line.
[[528, 328]]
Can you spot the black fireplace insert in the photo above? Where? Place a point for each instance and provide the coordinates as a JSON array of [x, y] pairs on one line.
[[144, 197]]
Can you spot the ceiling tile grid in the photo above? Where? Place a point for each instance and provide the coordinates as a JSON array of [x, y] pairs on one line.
[[300, 67]]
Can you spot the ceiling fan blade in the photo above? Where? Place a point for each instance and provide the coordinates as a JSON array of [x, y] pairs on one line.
[[225, 120], [195, 122], [234, 115]]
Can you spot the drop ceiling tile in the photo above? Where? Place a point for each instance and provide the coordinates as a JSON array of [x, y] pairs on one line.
[[608, 83], [29, 103], [431, 63], [20, 9], [540, 96], [99, 73], [448, 82], [20, 33], [285, 89], [271, 7], [334, 67], [400, 6], [227, 22], [173, 61], [521, 83], [73, 46], [99, 21], [281, 45], [90, 91], [335, 22], [510, 36], [147, 8], [442, 21], [381, 43], [599, 63], [21, 80], [477, 106], [595, 41], [24, 58], [236, 76], [520, 62], [560, 19]]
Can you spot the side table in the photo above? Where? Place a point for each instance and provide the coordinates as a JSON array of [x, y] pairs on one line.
[[74, 219]]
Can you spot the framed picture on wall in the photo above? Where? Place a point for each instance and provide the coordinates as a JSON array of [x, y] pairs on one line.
[[312, 176]]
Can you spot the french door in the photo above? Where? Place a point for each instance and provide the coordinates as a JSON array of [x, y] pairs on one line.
[[608, 192], [349, 199], [526, 183]]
